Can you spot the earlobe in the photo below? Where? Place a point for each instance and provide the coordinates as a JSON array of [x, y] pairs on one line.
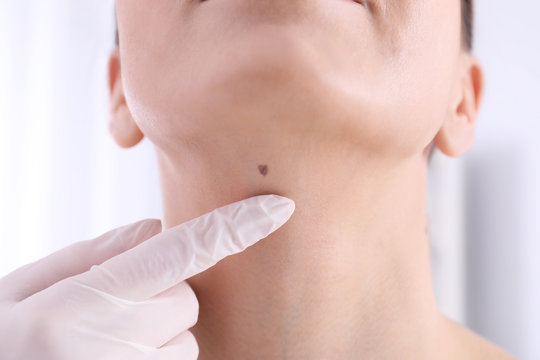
[[122, 126], [457, 133]]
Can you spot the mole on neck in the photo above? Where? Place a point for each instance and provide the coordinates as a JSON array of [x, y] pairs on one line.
[[263, 169]]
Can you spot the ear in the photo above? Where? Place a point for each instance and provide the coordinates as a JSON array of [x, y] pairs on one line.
[[457, 133], [122, 127]]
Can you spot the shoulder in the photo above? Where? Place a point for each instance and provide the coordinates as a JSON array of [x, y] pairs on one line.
[[466, 344]]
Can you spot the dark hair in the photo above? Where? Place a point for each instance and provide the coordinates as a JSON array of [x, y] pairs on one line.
[[116, 40], [467, 16]]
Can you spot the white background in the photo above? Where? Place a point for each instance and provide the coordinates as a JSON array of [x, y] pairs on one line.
[[62, 178]]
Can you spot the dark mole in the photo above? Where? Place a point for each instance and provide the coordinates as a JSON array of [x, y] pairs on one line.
[[263, 169]]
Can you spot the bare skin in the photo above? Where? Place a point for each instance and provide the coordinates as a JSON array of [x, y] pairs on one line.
[[342, 101]]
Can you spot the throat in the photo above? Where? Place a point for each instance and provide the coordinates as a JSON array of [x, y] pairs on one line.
[[322, 293], [347, 277]]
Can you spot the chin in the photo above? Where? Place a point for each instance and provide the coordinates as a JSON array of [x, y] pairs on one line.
[[274, 76]]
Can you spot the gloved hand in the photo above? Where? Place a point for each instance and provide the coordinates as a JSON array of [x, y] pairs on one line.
[[123, 295]]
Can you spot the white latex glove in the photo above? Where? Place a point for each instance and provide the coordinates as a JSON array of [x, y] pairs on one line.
[[123, 294]]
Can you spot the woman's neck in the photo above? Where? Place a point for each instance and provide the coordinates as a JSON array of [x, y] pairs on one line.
[[347, 277]]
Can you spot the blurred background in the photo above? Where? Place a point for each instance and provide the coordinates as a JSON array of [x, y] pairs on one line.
[[63, 179]]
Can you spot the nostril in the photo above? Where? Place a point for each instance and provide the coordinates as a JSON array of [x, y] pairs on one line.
[[361, 2]]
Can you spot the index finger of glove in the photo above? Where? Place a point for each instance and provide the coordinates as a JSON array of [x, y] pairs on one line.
[[189, 248]]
